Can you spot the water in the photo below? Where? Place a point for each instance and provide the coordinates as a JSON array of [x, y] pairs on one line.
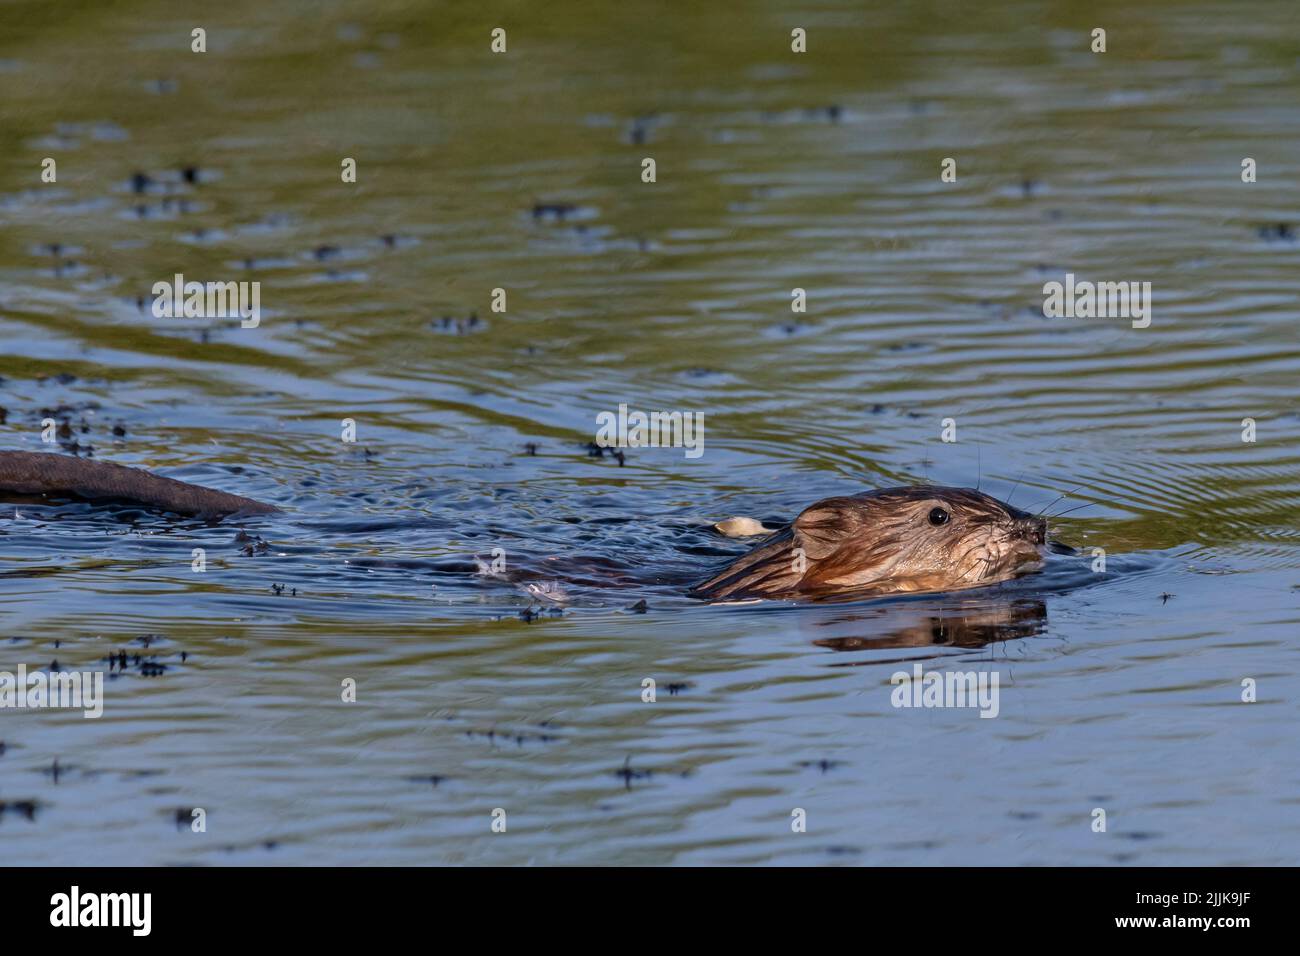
[[775, 171]]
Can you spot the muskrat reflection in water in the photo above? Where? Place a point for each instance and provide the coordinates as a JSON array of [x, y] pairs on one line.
[[940, 623], [913, 539]]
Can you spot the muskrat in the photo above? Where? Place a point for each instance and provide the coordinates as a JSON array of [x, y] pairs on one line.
[[918, 538], [913, 539], [62, 476]]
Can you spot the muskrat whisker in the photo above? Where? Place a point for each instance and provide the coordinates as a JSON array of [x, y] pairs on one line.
[[1039, 514], [982, 568], [1014, 487], [1086, 504]]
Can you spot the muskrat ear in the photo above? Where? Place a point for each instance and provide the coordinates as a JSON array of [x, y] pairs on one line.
[[823, 527]]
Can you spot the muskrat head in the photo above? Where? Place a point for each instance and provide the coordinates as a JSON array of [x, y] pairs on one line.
[[919, 538]]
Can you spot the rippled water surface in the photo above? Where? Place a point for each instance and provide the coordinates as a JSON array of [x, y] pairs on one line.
[[1119, 690]]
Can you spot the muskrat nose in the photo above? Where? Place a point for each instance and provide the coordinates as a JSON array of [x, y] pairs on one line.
[[1032, 529]]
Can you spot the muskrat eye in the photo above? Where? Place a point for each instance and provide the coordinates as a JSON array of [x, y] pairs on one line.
[[938, 516]]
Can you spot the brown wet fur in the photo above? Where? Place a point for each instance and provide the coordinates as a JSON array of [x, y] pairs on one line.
[[51, 475], [883, 542]]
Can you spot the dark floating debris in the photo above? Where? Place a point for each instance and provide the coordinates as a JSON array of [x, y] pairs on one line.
[[639, 131], [184, 817], [1277, 232], [252, 546], [430, 778], [832, 112], [790, 329], [598, 451], [519, 739], [450, 325], [24, 808], [555, 211], [628, 773], [701, 372], [822, 765], [119, 662]]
